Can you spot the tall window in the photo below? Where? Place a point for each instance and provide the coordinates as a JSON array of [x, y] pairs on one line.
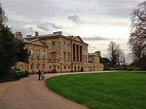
[[68, 56], [53, 43], [31, 53], [64, 53], [32, 66], [43, 54], [50, 67], [43, 66], [38, 66], [38, 54]]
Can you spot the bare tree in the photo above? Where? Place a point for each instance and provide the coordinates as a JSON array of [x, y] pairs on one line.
[[137, 39], [122, 58], [116, 54], [113, 50]]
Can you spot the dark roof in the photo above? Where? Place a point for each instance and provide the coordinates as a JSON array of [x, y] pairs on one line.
[[71, 37], [30, 39], [42, 36], [95, 53], [91, 54]]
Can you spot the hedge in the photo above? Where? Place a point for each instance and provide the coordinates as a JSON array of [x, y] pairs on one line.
[[13, 76]]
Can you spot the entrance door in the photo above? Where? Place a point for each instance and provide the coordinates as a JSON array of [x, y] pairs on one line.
[[75, 68], [78, 68]]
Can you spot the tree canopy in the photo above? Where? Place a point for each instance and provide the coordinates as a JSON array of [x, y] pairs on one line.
[[137, 39]]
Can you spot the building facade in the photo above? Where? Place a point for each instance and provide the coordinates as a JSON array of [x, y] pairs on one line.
[[58, 53]]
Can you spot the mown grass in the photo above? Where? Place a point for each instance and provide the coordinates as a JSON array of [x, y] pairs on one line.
[[115, 90]]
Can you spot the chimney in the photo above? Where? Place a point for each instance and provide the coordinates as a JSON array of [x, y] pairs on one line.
[[18, 35], [36, 33], [58, 32]]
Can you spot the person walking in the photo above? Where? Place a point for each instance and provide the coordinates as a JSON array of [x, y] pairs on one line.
[[42, 75], [39, 73]]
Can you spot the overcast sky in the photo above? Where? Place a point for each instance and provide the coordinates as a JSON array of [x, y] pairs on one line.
[[97, 22]]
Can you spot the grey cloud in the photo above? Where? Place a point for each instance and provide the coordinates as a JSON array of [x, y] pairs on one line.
[[26, 7], [118, 8], [43, 9], [48, 26], [99, 39], [75, 19], [95, 38], [34, 10]]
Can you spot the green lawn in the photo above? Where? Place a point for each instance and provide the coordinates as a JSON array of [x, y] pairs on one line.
[[115, 90]]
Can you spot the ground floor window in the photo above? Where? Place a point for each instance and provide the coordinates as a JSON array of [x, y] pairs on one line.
[[68, 67], [38, 66], [50, 67], [58, 66], [32, 66], [43, 66]]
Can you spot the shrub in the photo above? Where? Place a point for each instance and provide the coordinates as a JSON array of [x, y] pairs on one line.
[[19, 74], [13, 75], [119, 68], [106, 67], [134, 69]]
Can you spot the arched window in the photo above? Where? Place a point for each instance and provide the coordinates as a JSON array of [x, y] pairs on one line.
[[38, 66], [43, 66], [32, 66]]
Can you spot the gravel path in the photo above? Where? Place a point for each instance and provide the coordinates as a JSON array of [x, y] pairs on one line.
[[29, 93]]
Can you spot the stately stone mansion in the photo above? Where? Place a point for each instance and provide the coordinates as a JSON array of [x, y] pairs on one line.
[[58, 53]]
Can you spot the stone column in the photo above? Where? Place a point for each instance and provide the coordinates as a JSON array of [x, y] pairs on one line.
[[75, 53], [78, 53]]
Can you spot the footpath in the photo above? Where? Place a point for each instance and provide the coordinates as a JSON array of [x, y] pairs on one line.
[[29, 93]]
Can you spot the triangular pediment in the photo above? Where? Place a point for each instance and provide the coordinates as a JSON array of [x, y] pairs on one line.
[[78, 39], [37, 42]]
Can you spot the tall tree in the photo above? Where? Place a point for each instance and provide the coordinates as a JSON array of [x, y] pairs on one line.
[[114, 53], [11, 49], [137, 39], [122, 58]]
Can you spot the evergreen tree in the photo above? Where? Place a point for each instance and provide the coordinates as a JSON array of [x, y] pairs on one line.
[[11, 48]]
